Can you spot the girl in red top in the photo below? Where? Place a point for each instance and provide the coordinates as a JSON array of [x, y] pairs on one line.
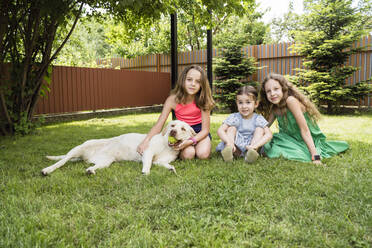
[[192, 103]]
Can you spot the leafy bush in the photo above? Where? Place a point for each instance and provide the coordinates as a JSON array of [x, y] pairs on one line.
[[330, 29], [232, 71]]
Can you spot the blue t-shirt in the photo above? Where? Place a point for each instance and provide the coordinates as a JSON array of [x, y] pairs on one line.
[[245, 129]]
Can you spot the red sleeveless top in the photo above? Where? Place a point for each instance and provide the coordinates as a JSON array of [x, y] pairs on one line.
[[188, 113]]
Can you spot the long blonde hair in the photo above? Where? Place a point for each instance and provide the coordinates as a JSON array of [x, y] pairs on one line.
[[203, 98], [266, 107]]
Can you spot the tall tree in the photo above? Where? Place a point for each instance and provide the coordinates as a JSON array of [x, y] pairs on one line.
[[232, 70], [27, 36], [148, 39], [247, 28], [330, 29], [193, 21], [282, 28], [87, 43]]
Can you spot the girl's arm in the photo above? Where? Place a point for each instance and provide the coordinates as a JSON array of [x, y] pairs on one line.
[[206, 122], [271, 120], [297, 110], [169, 104], [202, 134]]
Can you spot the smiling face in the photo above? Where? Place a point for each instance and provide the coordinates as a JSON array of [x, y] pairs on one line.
[[274, 91], [192, 82], [246, 105]]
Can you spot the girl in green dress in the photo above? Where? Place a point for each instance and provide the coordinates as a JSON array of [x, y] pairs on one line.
[[299, 136]]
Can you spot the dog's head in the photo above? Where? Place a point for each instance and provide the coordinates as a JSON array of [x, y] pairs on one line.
[[179, 130]]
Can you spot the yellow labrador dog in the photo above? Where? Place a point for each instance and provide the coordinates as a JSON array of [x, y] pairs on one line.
[[103, 152]]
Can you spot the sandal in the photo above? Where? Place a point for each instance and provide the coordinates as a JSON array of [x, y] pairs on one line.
[[251, 156], [227, 154]]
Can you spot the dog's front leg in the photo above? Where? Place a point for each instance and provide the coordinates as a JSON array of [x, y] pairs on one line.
[[147, 161]]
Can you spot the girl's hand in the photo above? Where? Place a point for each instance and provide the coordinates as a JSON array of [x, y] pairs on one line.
[[183, 145], [234, 148], [318, 162], [142, 147]]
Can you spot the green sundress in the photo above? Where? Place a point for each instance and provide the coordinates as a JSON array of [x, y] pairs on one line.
[[288, 143]]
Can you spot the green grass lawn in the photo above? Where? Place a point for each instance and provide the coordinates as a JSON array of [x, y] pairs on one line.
[[272, 203]]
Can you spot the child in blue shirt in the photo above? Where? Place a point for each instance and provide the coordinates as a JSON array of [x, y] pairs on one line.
[[243, 133]]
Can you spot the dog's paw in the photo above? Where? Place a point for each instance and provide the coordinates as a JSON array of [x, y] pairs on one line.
[[90, 171], [44, 172], [172, 169], [145, 173]]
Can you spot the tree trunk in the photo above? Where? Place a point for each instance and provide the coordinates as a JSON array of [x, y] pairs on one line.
[[329, 108], [36, 32]]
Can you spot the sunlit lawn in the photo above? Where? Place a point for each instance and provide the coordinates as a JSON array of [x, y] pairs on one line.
[[272, 203]]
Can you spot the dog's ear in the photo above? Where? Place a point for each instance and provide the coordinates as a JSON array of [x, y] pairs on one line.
[[165, 129]]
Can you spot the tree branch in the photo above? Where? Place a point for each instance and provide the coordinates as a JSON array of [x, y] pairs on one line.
[[4, 26], [46, 62], [29, 43], [5, 110], [69, 34]]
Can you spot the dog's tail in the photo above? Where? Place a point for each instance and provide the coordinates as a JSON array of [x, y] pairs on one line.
[[55, 157], [62, 157]]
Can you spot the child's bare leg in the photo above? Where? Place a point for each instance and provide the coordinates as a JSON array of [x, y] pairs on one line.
[[252, 149], [228, 151], [257, 136], [188, 153], [231, 133], [203, 148]]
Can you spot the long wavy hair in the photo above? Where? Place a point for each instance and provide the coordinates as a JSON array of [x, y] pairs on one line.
[[266, 107], [203, 98]]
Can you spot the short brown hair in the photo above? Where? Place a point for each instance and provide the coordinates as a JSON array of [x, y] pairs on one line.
[[248, 90]]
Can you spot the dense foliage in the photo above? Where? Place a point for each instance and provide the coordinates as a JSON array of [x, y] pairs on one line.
[[154, 37], [232, 70], [330, 29], [283, 28]]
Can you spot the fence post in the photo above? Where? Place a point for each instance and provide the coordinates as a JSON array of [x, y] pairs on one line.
[[255, 56], [158, 61]]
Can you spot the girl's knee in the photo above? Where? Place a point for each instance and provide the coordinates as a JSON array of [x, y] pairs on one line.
[[203, 149], [203, 154], [188, 153], [231, 129]]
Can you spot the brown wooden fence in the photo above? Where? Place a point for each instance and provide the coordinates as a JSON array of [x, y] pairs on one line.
[[78, 89], [145, 81], [272, 58]]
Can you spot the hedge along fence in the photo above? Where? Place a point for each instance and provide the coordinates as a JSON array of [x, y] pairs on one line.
[[272, 58]]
